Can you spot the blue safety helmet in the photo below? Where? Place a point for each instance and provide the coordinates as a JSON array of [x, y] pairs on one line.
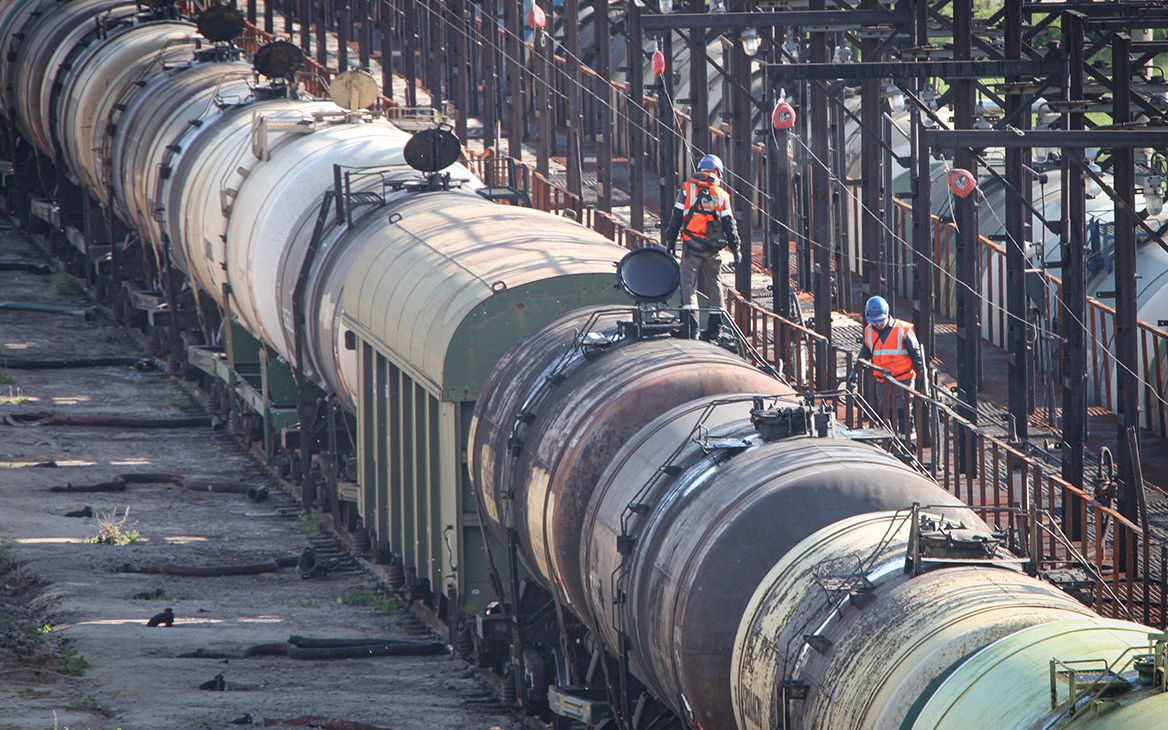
[[876, 311], [711, 163]]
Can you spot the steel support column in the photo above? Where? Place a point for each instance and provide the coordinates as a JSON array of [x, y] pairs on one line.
[[321, 11], [344, 27], [490, 56], [306, 27], [871, 235], [364, 32], [666, 132], [841, 201], [699, 97], [436, 52], [409, 53], [740, 169], [636, 123], [575, 152], [543, 101], [968, 244], [513, 63], [1018, 326], [1126, 323], [1072, 313], [459, 58], [922, 213], [780, 222], [821, 214], [604, 117]]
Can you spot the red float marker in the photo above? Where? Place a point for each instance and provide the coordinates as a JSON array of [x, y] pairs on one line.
[[961, 182], [536, 18], [658, 62], [783, 116]]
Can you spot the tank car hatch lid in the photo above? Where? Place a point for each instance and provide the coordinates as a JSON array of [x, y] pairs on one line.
[[354, 90], [278, 60], [220, 23], [648, 274], [433, 149]]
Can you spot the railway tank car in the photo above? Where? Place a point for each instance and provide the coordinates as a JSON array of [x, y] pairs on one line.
[[680, 538]]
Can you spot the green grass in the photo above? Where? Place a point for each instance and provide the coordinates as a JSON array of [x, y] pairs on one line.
[[309, 522], [65, 283], [73, 663], [364, 596]]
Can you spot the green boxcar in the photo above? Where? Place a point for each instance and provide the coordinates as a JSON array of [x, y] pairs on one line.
[[434, 300]]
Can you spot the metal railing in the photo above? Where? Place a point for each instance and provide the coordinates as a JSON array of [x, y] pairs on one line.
[[1004, 485], [1099, 323]]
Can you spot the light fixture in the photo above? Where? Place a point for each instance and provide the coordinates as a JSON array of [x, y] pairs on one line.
[[842, 54], [1154, 195], [895, 97], [929, 97], [791, 46], [750, 41], [717, 6], [1091, 187], [666, 6]]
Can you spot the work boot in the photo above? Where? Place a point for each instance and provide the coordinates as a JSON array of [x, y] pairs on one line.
[[689, 323], [713, 328]]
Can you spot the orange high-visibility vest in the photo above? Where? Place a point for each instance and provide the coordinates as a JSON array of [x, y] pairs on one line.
[[890, 353], [701, 210]]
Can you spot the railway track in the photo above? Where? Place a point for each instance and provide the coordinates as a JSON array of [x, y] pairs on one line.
[[85, 655]]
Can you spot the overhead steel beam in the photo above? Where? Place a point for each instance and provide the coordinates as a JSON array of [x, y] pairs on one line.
[[1048, 66], [833, 19], [1078, 139]]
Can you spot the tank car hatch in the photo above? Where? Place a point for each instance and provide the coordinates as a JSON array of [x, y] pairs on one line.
[[221, 23], [279, 60], [433, 149], [354, 90], [648, 275]]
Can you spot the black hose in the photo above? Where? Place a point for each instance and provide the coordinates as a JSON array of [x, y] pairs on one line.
[[306, 642], [214, 571], [276, 649], [140, 364], [397, 648], [118, 484], [16, 419], [29, 266]]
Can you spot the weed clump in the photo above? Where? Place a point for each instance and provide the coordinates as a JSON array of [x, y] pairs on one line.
[[365, 596], [112, 530], [65, 283]]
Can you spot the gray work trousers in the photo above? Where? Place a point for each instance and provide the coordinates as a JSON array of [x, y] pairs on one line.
[[699, 272], [904, 425]]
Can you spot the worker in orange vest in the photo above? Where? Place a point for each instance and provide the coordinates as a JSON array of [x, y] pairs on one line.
[[891, 345], [703, 217]]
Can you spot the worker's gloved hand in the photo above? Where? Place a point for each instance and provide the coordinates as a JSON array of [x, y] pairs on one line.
[[671, 246], [851, 384], [737, 258]]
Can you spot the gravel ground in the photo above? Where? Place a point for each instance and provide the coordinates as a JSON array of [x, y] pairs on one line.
[[75, 648]]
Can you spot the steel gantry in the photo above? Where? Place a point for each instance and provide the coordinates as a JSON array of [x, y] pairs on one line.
[[827, 199]]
